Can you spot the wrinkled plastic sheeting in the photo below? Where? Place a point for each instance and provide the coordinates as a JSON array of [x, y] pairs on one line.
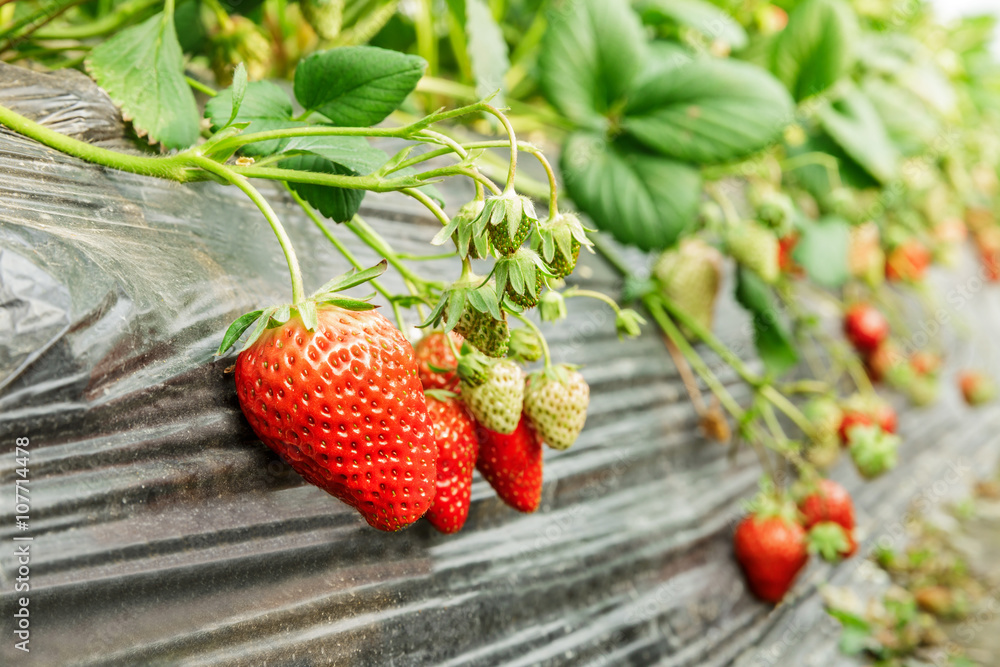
[[165, 533]]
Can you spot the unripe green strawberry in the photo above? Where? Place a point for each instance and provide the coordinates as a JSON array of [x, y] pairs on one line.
[[325, 17], [556, 401], [690, 276], [525, 345], [561, 266], [508, 219], [874, 451], [825, 416], [755, 247], [486, 334], [241, 41], [977, 388], [497, 402], [527, 300], [558, 241]]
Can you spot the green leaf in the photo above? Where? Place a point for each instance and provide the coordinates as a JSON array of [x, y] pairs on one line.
[[774, 344], [855, 125], [338, 204], [699, 15], [265, 106], [353, 278], [816, 48], [239, 90], [142, 70], [910, 125], [355, 153], [590, 56], [822, 251], [356, 85], [236, 330], [486, 48], [709, 111], [641, 199]]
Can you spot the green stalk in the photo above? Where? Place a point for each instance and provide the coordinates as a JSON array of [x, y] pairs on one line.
[[655, 309], [108, 23], [545, 346], [200, 87], [345, 251], [512, 171], [426, 39], [174, 168], [298, 290], [712, 342], [781, 402], [374, 240], [577, 292]]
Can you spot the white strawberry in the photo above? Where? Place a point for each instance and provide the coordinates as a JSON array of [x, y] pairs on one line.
[[556, 401], [497, 402]]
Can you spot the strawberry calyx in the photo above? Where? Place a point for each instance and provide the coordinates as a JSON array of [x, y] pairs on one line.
[[874, 450], [511, 217], [517, 276], [473, 367], [829, 540], [554, 373], [562, 234], [462, 229], [306, 310], [770, 503], [442, 395]]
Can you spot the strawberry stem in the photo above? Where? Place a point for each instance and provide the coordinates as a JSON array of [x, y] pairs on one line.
[[655, 308], [512, 171], [545, 345], [211, 166], [348, 255], [577, 292]]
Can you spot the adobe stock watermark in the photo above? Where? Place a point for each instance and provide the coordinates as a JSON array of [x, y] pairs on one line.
[[22, 544]]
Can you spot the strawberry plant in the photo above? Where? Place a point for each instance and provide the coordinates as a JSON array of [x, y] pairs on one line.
[[827, 155]]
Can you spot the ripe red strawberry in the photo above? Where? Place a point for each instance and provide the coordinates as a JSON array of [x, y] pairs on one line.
[[772, 552], [458, 447], [829, 502], [786, 246], [925, 362], [512, 464], [908, 261], [865, 327], [866, 411], [884, 361], [434, 350], [344, 407], [977, 388]]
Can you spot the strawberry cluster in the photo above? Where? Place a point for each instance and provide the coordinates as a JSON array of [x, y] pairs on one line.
[[773, 542], [396, 432]]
